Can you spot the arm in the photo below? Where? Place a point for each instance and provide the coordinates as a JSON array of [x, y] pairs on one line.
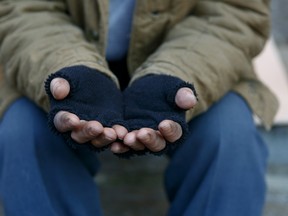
[[212, 48], [39, 38]]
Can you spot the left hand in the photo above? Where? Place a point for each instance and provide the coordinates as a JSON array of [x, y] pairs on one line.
[[155, 140]]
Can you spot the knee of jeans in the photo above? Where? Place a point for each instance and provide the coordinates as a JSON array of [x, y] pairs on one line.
[[22, 123], [228, 123], [19, 136]]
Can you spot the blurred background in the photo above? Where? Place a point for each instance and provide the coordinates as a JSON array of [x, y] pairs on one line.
[[134, 187]]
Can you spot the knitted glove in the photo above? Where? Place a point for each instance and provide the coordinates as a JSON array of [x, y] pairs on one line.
[[150, 100], [93, 96]]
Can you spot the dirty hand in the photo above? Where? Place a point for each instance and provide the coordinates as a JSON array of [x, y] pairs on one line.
[[80, 113], [155, 114]]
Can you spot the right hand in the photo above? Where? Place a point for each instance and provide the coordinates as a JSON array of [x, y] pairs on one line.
[[84, 131]]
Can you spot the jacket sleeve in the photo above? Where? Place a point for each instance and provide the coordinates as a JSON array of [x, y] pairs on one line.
[[213, 47], [38, 38]]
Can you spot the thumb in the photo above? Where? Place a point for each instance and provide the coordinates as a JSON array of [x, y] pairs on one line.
[[59, 88], [185, 98]]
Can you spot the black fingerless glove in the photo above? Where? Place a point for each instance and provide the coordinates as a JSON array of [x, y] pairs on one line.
[[93, 96], [150, 100]]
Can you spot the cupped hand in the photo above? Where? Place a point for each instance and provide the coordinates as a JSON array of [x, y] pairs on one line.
[[168, 130], [82, 131]]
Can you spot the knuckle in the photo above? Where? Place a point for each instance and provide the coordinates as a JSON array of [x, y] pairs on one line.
[[90, 131], [157, 147]]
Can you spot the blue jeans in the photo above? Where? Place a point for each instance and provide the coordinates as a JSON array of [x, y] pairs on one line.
[[218, 171]]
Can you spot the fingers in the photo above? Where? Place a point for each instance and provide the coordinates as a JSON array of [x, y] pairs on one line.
[[108, 136], [185, 98], [152, 139], [145, 138], [131, 141], [84, 131], [88, 130], [119, 148], [170, 130], [65, 121], [59, 88], [120, 131], [94, 132]]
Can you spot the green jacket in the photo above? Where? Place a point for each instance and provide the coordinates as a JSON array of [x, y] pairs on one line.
[[210, 43]]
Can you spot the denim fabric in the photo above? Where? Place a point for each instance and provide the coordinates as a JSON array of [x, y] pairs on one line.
[[40, 174], [119, 29], [218, 171]]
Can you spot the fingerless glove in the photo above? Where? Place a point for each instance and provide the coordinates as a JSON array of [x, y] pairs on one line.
[[150, 100], [93, 96]]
